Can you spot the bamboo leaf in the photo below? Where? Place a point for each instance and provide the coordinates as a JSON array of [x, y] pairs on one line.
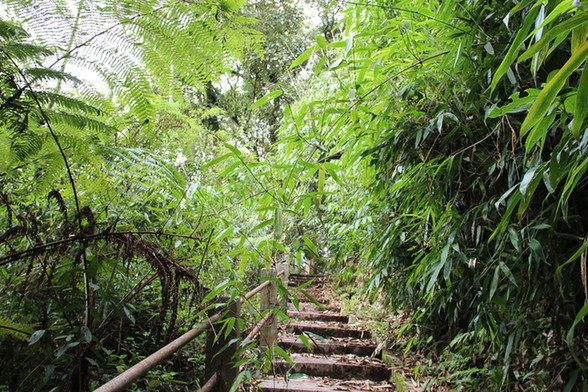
[[321, 41], [310, 245], [579, 317], [516, 45], [217, 160], [332, 170], [305, 341], [282, 353], [563, 28], [233, 149], [266, 99], [547, 96], [302, 57], [581, 109]]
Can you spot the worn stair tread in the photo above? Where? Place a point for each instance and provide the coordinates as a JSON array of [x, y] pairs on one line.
[[335, 366], [319, 316], [323, 384], [293, 386], [328, 330], [316, 295], [327, 347], [308, 276], [304, 385], [311, 307]]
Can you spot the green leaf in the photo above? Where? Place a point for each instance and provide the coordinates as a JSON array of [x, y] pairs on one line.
[[278, 222], [578, 253], [224, 234], [581, 109], [579, 317], [305, 341], [320, 65], [262, 225], [265, 99], [508, 273], [230, 169], [302, 57], [563, 28], [311, 298], [216, 160], [36, 336], [217, 290], [331, 169], [516, 45], [321, 41], [282, 353], [547, 96], [233, 149], [310, 245]]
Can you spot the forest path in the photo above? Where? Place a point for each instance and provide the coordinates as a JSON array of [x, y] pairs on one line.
[[327, 352]]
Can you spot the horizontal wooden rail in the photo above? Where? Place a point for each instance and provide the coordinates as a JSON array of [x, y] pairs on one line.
[[258, 327], [125, 379], [210, 384], [257, 289], [261, 286]]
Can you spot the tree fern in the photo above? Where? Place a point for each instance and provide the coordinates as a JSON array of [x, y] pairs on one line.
[[133, 45]]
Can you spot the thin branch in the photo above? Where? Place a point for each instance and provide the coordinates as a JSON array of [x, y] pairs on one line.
[[408, 11], [48, 246], [53, 134]]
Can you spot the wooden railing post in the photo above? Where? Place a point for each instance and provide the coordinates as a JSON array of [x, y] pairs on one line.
[[268, 300], [221, 359], [284, 274]]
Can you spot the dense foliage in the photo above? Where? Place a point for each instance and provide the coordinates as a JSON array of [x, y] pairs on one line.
[[454, 142], [435, 151]]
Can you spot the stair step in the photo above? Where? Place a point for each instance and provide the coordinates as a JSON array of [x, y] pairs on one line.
[[342, 367], [311, 307], [313, 384], [300, 385], [307, 277], [318, 316], [317, 295], [328, 347], [326, 330]]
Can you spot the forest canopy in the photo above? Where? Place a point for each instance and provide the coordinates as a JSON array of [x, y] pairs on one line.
[[433, 153]]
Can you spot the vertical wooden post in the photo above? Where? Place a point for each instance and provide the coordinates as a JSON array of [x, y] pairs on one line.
[[217, 339], [268, 298], [285, 266]]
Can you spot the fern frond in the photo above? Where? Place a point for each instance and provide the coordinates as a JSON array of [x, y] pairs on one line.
[[145, 167], [46, 75], [24, 149], [194, 42], [78, 121], [49, 98], [10, 31], [22, 51], [17, 331]]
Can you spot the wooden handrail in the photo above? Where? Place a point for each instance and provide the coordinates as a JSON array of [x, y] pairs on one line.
[[257, 289], [210, 384], [125, 379], [261, 286], [131, 375], [258, 327]]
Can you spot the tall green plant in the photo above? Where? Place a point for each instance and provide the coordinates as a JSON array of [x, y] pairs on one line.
[[473, 206]]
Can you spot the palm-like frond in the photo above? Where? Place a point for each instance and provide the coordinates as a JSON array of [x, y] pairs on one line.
[[17, 331], [134, 45]]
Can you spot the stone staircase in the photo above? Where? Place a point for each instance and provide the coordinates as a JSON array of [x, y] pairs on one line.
[[332, 355]]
